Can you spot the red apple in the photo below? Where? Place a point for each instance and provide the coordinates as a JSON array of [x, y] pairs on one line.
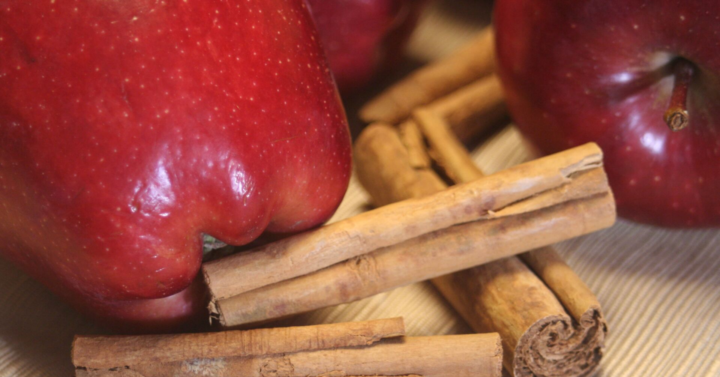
[[605, 71], [363, 38], [128, 129]]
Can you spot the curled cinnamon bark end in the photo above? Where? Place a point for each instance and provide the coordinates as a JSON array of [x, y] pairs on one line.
[[560, 346], [677, 116]]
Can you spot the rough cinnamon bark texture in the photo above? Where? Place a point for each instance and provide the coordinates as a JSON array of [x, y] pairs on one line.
[[575, 296], [540, 336], [415, 260], [506, 193], [472, 109], [442, 356], [112, 352], [470, 63], [528, 206]]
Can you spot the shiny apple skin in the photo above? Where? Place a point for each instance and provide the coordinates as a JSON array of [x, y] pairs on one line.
[[130, 128], [569, 69], [363, 38]]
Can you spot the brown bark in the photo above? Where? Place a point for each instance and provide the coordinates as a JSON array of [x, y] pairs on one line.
[[108, 352], [441, 356]]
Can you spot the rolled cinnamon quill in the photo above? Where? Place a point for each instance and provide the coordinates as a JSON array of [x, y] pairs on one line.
[[346, 349], [528, 206]]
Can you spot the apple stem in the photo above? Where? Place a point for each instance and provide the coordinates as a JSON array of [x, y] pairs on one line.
[[676, 116]]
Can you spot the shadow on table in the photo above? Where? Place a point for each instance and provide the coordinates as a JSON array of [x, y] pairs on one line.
[[36, 328]]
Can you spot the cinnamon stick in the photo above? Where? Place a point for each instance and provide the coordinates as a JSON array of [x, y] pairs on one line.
[[581, 205], [540, 336], [471, 62], [472, 108], [414, 142], [201, 354], [108, 352], [449, 153], [506, 193]]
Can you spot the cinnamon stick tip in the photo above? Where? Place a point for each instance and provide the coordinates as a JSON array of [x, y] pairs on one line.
[[399, 322], [594, 315], [215, 313], [206, 273], [378, 109], [594, 148], [421, 113], [374, 130], [73, 348], [592, 157], [498, 354]]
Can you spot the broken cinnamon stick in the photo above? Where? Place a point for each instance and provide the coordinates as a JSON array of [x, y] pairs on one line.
[[540, 336], [271, 352], [471, 62]]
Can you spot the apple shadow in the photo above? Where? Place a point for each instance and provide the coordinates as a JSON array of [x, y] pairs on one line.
[[353, 102], [466, 12], [36, 328]]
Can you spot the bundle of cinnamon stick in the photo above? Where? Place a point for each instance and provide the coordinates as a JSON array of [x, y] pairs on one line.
[[549, 320], [525, 207]]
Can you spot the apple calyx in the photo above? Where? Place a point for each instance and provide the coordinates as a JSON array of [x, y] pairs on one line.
[[677, 116]]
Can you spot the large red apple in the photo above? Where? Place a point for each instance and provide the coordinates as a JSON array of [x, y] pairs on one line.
[[128, 129], [363, 38], [604, 71]]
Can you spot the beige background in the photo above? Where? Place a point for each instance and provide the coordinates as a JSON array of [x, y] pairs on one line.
[[660, 289]]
